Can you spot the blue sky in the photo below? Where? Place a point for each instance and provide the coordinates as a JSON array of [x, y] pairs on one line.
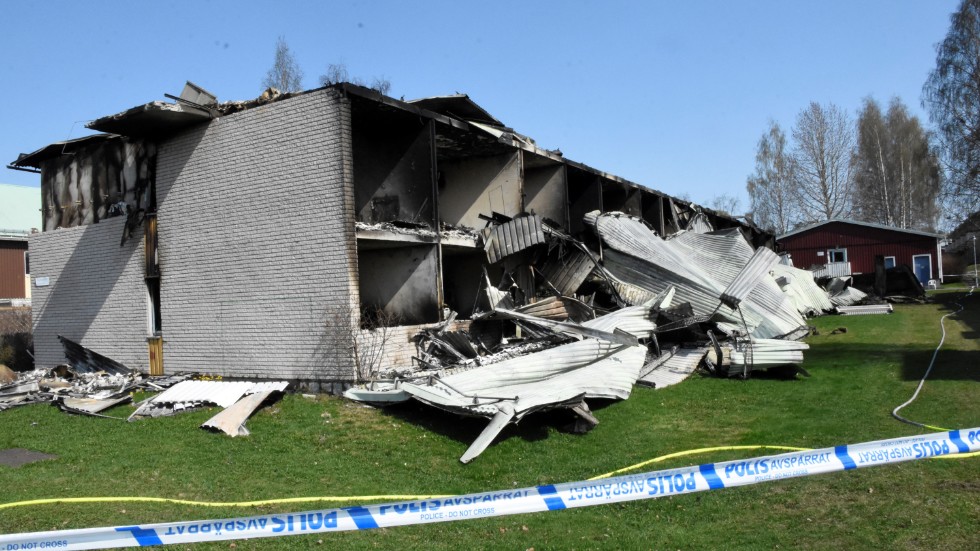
[[672, 95]]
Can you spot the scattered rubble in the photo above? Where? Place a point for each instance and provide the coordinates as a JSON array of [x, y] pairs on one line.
[[570, 321], [566, 321], [91, 384]]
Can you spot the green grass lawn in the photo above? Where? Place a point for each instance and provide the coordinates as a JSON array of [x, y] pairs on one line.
[[329, 447]]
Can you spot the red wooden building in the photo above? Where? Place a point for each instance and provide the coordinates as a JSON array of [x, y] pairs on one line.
[[857, 243], [14, 283]]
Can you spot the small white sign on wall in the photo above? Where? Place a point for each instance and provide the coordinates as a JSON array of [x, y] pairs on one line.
[[42, 281], [819, 253]]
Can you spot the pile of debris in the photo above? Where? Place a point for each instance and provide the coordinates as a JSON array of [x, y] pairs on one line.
[[572, 320], [91, 384]]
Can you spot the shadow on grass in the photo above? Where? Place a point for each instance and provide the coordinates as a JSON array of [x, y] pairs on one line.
[[970, 316], [536, 426], [951, 365]]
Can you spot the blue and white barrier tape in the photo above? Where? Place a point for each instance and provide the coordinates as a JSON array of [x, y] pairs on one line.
[[711, 476]]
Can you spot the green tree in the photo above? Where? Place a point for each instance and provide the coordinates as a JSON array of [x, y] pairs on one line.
[[952, 96], [896, 171], [285, 74]]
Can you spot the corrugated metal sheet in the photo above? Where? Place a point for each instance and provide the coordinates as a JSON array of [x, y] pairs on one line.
[[699, 266], [865, 310], [83, 360], [749, 277], [551, 308], [589, 368], [699, 223], [567, 273], [219, 393], [514, 236], [847, 297], [636, 320], [672, 367], [802, 290], [765, 353]]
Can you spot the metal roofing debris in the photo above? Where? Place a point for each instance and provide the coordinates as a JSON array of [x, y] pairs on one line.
[[672, 367], [802, 290], [865, 310], [757, 354], [567, 273], [847, 297], [152, 119], [513, 236], [655, 294], [699, 223], [91, 406], [67, 147], [91, 392], [83, 360], [749, 277], [700, 266], [231, 420], [459, 106], [196, 394]]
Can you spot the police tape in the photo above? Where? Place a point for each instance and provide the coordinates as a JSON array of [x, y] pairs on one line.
[[651, 485]]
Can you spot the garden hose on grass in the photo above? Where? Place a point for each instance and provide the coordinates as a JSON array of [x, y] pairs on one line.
[[343, 499], [922, 381]]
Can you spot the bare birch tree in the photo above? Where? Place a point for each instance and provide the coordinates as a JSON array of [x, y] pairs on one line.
[[822, 160], [726, 203], [337, 73], [896, 170], [285, 74], [772, 196]]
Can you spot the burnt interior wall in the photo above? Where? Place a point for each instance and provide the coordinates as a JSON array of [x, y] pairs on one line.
[[584, 195], [392, 165], [617, 196], [82, 187], [400, 280], [462, 275], [653, 209], [545, 193], [469, 187]]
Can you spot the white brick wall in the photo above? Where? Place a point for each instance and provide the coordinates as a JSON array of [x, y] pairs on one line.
[[256, 242], [96, 295]]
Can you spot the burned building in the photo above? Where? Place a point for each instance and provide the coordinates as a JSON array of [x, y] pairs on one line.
[[274, 238]]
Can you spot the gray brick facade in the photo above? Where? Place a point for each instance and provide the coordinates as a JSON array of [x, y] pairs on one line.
[[96, 294], [256, 243]]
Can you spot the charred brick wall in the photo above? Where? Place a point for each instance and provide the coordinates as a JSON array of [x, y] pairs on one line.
[[95, 295], [256, 243]]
